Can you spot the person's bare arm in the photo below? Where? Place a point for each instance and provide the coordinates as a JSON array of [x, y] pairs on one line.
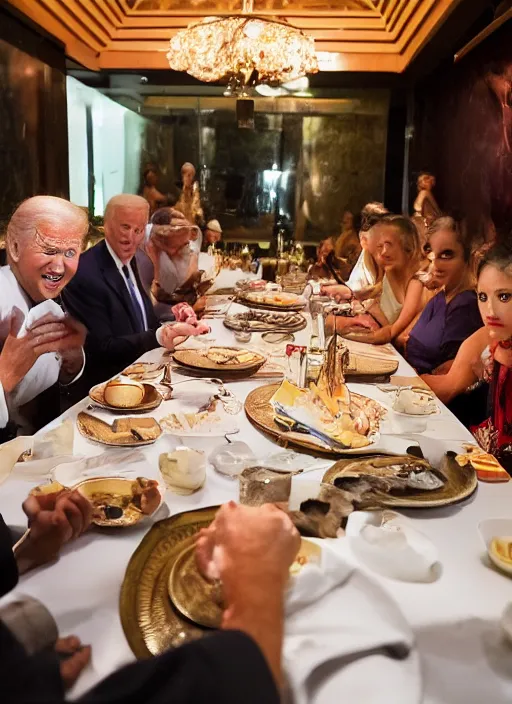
[[463, 371]]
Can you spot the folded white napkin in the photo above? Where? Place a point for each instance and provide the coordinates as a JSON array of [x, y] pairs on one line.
[[45, 371], [346, 640]]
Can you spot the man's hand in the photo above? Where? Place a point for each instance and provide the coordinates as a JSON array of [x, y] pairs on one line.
[[53, 519], [250, 550], [78, 658], [338, 292], [71, 349], [19, 354], [168, 333]]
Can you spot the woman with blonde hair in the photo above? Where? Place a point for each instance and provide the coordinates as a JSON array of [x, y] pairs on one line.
[[399, 254]]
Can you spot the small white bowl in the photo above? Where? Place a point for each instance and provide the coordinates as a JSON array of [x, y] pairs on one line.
[[496, 528]]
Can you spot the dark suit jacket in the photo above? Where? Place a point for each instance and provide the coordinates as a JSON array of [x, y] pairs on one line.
[[98, 297]]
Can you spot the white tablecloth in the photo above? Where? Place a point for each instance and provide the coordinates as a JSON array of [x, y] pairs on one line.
[[455, 619]]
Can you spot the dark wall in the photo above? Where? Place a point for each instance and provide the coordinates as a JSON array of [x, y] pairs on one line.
[[33, 116], [463, 134]]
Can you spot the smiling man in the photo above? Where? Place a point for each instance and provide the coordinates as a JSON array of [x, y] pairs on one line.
[[108, 297], [44, 240]]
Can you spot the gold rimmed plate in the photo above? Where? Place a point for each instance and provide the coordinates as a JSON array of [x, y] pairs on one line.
[[261, 413], [257, 302], [151, 622], [459, 482], [151, 400], [144, 371], [107, 494], [97, 430], [196, 359]]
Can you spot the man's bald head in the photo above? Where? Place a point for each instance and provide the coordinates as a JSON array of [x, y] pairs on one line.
[[44, 240], [126, 200]]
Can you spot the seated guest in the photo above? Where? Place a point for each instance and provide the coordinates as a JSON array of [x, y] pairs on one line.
[[486, 357], [366, 271], [44, 240], [107, 296], [150, 191], [212, 234], [239, 663], [327, 265], [347, 246], [399, 254], [452, 315]]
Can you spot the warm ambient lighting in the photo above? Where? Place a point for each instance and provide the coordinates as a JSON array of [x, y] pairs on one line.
[[245, 49]]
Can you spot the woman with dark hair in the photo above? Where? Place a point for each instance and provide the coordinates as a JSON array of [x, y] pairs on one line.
[[346, 246], [451, 316], [487, 356]]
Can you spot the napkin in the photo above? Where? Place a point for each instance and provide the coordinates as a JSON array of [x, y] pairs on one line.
[[45, 371], [346, 640]]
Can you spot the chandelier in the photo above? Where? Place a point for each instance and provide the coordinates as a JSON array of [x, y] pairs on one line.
[[244, 49]]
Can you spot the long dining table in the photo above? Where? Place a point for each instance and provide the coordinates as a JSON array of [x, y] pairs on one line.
[[455, 619]]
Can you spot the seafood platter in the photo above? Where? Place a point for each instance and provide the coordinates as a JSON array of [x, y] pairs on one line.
[[233, 361], [265, 321]]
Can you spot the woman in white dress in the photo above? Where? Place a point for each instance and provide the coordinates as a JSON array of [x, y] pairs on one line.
[[39, 345]]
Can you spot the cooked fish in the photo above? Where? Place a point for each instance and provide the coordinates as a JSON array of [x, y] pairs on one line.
[[323, 516]]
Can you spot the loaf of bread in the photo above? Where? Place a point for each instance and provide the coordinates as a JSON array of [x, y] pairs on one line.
[[123, 392]]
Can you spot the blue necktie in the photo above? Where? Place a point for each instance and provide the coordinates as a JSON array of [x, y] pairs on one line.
[[135, 303]]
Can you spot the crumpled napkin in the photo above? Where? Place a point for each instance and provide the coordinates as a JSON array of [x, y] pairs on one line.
[[46, 370], [345, 639]]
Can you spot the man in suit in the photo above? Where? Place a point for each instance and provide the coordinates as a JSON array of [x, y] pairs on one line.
[[108, 298]]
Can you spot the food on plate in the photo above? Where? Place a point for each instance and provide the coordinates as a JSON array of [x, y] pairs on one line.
[[178, 422], [260, 485], [45, 489], [415, 402], [131, 432], [349, 420], [387, 475], [272, 298], [184, 470], [231, 355], [120, 501], [486, 466], [141, 428], [500, 552], [123, 392], [265, 320]]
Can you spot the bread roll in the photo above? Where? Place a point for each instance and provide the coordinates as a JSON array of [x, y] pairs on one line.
[[123, 392]]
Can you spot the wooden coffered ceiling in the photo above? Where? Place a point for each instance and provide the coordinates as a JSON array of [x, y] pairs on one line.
[[352, 35]]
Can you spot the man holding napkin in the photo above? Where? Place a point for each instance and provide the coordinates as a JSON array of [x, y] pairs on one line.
[[39, 344]]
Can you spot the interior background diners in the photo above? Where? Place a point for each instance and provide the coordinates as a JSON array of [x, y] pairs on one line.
[[255, 351]]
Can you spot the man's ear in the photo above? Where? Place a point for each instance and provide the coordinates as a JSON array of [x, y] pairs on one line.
[[13, 249]]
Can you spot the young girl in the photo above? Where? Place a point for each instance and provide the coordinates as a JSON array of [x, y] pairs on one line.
[[487, 356]]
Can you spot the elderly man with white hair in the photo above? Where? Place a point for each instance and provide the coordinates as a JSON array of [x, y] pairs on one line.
[[40, 346], [108, 297]]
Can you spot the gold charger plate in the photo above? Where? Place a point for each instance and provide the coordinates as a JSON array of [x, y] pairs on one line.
[[269, 306], [151, 400], [461, 482], [151, 622], [201, 601], [193, 596], [97, 430], [194, 359], [261, 414]]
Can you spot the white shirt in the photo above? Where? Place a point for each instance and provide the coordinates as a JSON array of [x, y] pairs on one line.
[[44, 373], [360, 277], [388, 302], [138, 296]]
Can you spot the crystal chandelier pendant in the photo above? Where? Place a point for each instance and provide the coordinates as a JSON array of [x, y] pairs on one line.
[[244, 49]]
